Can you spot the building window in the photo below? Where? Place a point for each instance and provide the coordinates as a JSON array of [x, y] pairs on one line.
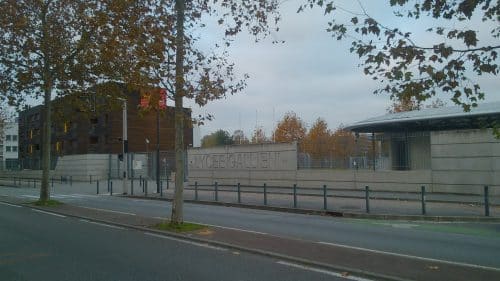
[[31, 133], [14, 149], [8, 138], [66, 127], [30, 149], [14, 138], [93, 140], [58, 146], [8, 149]]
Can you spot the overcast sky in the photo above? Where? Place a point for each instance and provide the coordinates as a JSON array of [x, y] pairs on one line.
[[311, 74]]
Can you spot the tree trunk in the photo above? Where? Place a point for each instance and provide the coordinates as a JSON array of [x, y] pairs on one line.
[[177, 212], [47, 95], [46, 136]]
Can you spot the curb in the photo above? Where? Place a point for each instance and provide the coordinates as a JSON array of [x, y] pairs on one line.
[[355, 272], [330, 213]]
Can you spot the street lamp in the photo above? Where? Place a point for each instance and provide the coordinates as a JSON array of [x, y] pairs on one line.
[[125, 146], [147, 154]]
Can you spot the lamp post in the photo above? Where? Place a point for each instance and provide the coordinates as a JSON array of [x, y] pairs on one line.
[[158, 150], [125, 147], [147, 154]]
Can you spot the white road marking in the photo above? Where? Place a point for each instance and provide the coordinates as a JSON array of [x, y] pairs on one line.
[[105, 225], [413, 257], [7, 204], [48, 213], [142, 201], [231, 228], [30, 196], [186, 241], [219, 226], [106, 210], [327, 272], [400, 225]]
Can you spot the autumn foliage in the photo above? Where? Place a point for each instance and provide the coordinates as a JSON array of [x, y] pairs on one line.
[[291, 128], [321, 146]]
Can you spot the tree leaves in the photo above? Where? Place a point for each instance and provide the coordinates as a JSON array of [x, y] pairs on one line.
[[405, 67]]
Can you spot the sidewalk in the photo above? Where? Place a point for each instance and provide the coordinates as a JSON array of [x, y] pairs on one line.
[[358, 262], [343, 206], [350, 204]]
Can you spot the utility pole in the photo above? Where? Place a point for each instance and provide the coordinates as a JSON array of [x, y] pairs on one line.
[[158, 150], [125, 147]]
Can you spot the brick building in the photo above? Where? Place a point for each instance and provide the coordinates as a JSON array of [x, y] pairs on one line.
[[82, 133]]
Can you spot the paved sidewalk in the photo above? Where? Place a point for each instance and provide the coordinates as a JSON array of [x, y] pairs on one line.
[[341, 205], [398, 204], [353, 261]]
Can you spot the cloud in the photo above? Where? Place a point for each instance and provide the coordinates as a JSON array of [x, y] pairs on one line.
[[311, 74]]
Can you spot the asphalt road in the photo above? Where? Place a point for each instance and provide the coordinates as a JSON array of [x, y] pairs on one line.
[[478, 244], [40, 246]]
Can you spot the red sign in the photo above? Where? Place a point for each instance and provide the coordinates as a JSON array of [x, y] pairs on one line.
[[146, 99], [162, 103]]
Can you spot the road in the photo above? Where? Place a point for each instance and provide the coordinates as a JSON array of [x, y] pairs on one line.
[[41, 246], [476, 244]]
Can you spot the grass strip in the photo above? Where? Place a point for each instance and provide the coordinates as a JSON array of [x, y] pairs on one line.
[[47, 203], [183, 227]]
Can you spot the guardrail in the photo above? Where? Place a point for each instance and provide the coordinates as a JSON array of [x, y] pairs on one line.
[[295, 192]]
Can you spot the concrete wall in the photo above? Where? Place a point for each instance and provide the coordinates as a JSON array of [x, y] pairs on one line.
[[446, 161], [465, 160], [276, 165], [82, 166], [315, 178], [79, 167], [420, 152], [256, 157]]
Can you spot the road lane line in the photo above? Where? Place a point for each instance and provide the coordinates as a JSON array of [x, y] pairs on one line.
[[186, 241], [105, 225], [48, 213], [230, 228], [327, 272], [413, 257], [7, 204], [219, 226], [106, 210], [29, 196]]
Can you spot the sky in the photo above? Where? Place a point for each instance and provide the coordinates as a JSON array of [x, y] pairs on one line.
[[311, 74]]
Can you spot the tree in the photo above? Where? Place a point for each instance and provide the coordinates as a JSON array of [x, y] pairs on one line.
[[259, 136], [344, 144], [199, 76], [239, 137], [3, 120], [450, 65], [66, 47], [404, 104], [318, 140], [289, 129], [217, 138], [437, 103]]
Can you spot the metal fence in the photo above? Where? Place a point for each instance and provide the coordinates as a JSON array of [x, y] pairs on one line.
[[143, 165], [388, 151], [358, 200]]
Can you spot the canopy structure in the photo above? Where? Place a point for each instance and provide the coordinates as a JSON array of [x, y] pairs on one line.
[[433, 119]]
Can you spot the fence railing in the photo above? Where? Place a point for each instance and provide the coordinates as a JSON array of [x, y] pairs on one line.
[[295, 194], [325, 198]]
